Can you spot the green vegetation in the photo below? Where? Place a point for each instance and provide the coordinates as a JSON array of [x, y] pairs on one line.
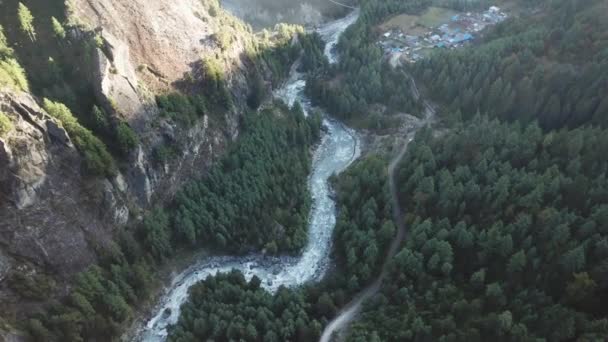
[[97, 159], [26, 21], [362, 80], [227, 308], [508, 238], [165, 152], [5, 50], [49, 58], [215, 82], [362, 88], [312, 53], [99, 302], [125, 137], [249, 200], [52, 71], [435, 16], [58, 28], [156, 232], [101, 122], [31, 286], [181, 108], [275, 54], [243, 195], [508, 235], [12, 74], [552, 68], [364, 228], [6, 125]]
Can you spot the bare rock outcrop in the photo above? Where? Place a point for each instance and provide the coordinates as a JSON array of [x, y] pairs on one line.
[[50, 216], [54, 217]]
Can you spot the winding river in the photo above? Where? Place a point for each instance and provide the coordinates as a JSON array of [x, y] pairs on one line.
[[339, 147]]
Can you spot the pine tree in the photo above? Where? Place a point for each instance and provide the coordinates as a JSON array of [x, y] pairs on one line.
[[58, 29], [26, 21]]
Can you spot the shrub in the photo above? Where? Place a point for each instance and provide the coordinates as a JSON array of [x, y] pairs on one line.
[[215, 82], [5, 51], [165, 152], [181, 108], [12, 74], [96, 156], [5, 124], [126, 137], [37, 286], [100, 120]]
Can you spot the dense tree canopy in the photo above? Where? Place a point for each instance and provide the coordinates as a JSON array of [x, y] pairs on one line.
[[551, 67], [365, 227], [507, 240], [228, 308], [257, 196], [508, 222]]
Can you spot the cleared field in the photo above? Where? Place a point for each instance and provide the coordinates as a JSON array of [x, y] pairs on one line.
[[435, 16], [404, 22], [418, 24]]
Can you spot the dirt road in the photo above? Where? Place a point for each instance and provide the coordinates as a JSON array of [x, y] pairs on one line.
[[350, 311]]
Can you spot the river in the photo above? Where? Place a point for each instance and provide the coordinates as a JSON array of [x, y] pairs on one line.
[[338, 148]]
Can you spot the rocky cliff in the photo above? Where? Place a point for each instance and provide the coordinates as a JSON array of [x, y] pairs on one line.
[[55, 218]]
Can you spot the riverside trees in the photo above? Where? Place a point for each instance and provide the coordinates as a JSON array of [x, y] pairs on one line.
[[226, 307], [255, 197]]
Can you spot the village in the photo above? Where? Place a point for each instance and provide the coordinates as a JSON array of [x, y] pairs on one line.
[[411, 38]]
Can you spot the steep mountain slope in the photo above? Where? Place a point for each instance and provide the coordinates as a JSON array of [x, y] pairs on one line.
[[73, 177]]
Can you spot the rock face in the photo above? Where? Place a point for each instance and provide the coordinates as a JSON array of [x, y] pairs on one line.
[[48, 215], [150, 45], [165, 36], [53, 216]]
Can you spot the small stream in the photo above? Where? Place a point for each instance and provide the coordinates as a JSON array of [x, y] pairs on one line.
[[339, 147]]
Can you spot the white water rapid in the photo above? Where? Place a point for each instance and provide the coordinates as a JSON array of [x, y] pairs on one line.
[[339, 147]]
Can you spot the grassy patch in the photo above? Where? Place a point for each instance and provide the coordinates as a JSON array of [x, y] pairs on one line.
[[435, 16], [404, 22], [5, 124]]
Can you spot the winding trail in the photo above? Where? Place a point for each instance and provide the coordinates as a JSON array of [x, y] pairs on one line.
[[350, 311]]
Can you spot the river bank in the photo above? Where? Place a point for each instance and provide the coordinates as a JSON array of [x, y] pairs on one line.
[[165, 275], [339, 325], [339, 147]]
